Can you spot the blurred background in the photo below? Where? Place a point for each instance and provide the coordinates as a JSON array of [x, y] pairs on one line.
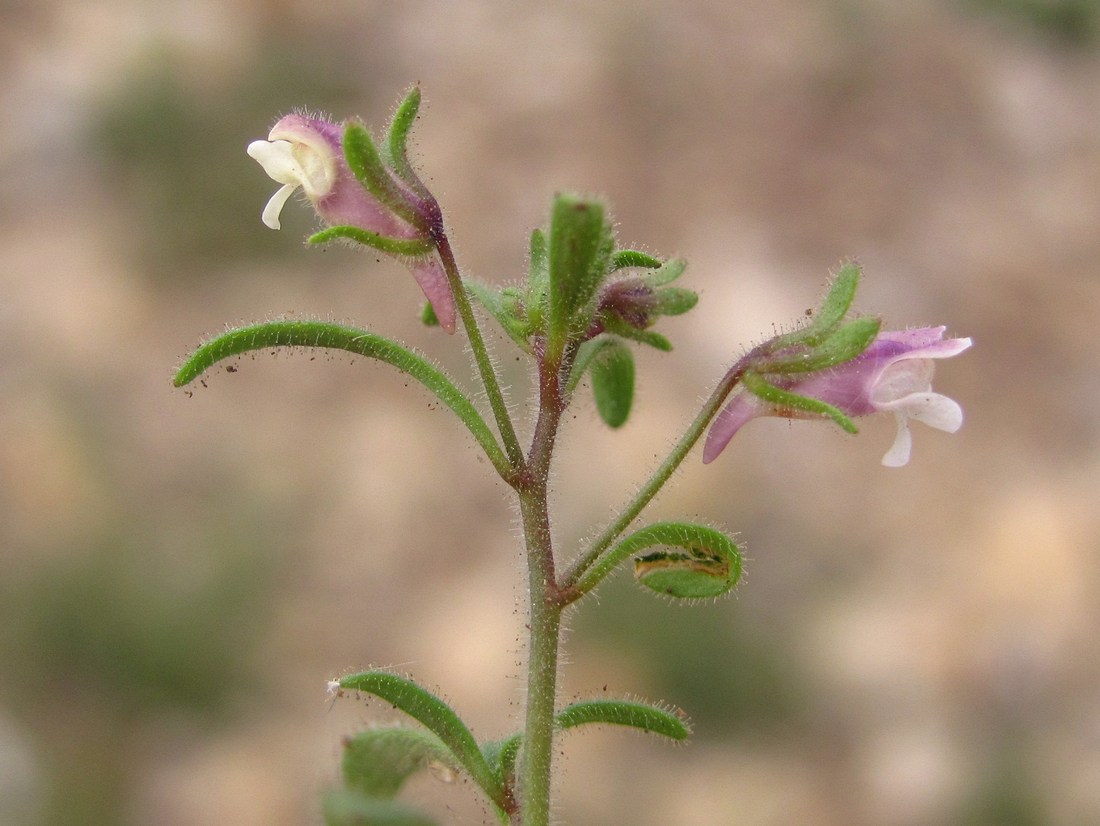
[[181, 572]]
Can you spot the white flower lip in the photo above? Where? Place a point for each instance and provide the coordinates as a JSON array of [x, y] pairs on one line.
[[301, 162]]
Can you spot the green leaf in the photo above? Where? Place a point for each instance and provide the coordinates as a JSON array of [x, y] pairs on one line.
[[612, 374], [579, 247], [366, 164], [323, 334], [397, 136], [668, 272], [343, 807], [792, 401], [379, 761], [411, 247], [707, 565], [623, 713], [436, 716], [623, 259]]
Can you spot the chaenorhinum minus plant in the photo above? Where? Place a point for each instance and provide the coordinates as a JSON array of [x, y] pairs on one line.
[[584, 304]]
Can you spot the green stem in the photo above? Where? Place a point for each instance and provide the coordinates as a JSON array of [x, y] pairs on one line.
[[570, 590], [546, 606], [477, 343]]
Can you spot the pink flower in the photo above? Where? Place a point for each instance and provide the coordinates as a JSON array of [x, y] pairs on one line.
[[306, 153], [894, 375]]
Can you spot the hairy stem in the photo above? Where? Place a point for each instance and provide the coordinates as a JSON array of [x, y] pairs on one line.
[[569, 590], [545, 604], [477, 343]]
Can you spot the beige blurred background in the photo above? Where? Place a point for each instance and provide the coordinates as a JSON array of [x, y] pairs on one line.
[[180, 574]]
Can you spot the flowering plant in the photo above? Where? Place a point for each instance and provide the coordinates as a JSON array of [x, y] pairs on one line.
[[584, 302]]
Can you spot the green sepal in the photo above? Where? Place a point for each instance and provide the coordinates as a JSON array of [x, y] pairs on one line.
[[786, 400], [843, 344], [397, 137], [624, 259], [580, 247], [838, 300], [614, 324], [436, 716], [379, 761], [708, 562], [674, 301], [612, 372], [344, 807], [410, 247], [326, 335], [366, 164], [668, 272], [506, 308], [648, 718]]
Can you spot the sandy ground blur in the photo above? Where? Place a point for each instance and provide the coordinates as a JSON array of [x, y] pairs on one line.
[[181, 573]]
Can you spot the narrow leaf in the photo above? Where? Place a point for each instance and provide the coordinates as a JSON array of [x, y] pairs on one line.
[[708, 565], [623, 713], [579, 248], [338, 337], [613, 383], [623, 259], [411, 247], [436, 716], [792, 401], [379, 761]]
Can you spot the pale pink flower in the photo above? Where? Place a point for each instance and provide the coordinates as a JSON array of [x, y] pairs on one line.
[[306, 153], [893, 375]]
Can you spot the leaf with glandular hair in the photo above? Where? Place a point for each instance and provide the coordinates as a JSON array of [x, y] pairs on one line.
[[623, 259], [435, 715], [641, 716], [612, 371], [326, 335], [580, 247]]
